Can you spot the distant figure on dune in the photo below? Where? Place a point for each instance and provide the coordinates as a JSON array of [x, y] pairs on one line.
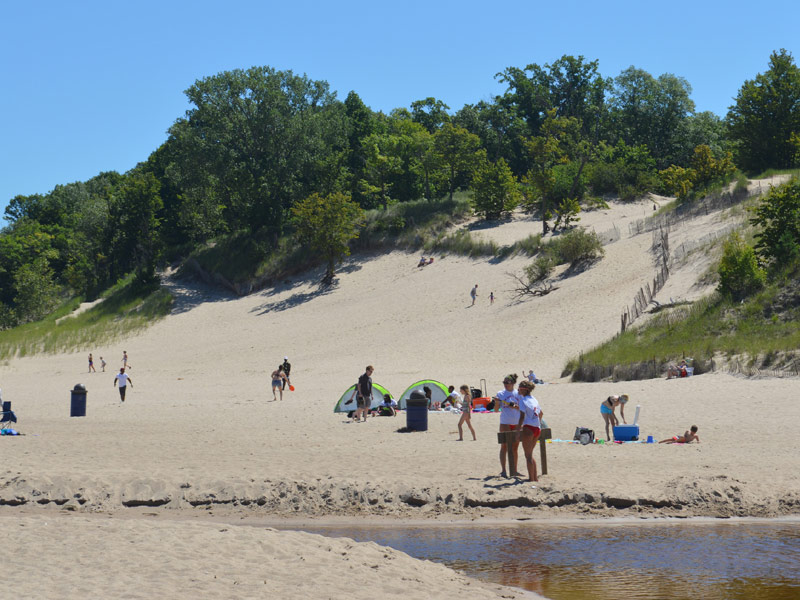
[[122, 380], [474, 294], [125, 360], [102, 364], [491, 298], [422, 262], [91, 364]]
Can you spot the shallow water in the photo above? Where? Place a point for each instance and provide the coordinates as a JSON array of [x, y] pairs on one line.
[[688, 559]]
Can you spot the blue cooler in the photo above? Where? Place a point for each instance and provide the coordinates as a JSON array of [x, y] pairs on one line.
[[626, 433]]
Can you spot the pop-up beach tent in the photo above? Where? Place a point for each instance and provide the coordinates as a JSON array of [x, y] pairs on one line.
[[438, 391], [377, 398]]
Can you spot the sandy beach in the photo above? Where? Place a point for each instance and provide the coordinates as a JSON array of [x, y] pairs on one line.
[[133, 487]]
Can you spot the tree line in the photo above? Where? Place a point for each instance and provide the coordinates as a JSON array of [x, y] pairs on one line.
[[262, 152]]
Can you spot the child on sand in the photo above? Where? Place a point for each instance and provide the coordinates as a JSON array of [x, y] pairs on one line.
[[686, 438]]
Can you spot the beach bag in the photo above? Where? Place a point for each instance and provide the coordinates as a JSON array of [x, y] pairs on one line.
[[584, 435]]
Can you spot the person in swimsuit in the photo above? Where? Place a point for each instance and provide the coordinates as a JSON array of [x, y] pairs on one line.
[[686, 438], [529, 425], [91, 365], [509, 416], [607, 410], [466, 413], [278, 378]]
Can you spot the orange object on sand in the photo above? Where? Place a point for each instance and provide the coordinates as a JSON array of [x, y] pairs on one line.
[[291, 388]]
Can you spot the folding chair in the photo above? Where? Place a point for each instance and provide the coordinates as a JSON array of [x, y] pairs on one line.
[[7, 415]]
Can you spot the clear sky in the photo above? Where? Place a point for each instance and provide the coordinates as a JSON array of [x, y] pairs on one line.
[[90, 86]]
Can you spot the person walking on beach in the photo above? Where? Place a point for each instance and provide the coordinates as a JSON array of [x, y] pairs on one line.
[[509, 417], [287, 367], [278, 378], [125, 360], [474, 294], [529, 425], [466, 413], [91, 364], [102, 364], [364, 396], [491, 298], [122, 379]]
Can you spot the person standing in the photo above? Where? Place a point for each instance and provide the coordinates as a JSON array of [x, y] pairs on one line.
[[278, 378], [287, 367], [364, 396], [474, 294], [125, 360], [491, 298], [509, 417], [466, 413], [91, 364], [122, 379], [103, 364], [529, 425]]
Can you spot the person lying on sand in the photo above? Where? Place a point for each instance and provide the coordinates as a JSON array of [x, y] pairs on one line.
[[686, 438]]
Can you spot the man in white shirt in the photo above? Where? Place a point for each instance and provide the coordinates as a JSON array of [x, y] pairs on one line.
[[123, 379]]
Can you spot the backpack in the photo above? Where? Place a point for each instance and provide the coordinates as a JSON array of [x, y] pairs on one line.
[[583, 435]]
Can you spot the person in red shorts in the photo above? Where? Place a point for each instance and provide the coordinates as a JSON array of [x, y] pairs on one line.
[[509, 415], [529, 425]]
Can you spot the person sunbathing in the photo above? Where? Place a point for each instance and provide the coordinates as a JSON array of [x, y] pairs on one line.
[[686, 438], [678, 370]]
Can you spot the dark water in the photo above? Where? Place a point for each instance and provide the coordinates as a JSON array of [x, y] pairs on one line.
[[689, 559]]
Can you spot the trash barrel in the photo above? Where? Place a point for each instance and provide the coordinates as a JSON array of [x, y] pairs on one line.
[[417, 412], [77, 406]]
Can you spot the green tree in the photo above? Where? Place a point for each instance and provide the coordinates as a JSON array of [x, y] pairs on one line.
[[383, 160], [360, 125], [326, 225], [37, 291], [135, 244], [430, 113], [765, 114], [778, 218], [494, 189], [460, 152], [260, 140], [739, 272]]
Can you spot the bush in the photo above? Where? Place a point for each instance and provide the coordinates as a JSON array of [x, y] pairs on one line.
[[739, 273], [575, 246], [540, 268]]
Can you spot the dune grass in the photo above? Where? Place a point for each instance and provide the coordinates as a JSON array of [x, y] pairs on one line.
[[125, 308]]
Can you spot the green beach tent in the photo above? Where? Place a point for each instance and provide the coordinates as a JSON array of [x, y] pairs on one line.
[[377, 398], [438, 391]]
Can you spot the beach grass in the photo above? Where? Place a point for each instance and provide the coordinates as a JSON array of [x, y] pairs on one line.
[[125, 308]]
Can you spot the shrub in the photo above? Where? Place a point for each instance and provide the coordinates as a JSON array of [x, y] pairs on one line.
[[540, 268], [575, 246], [739, 273]]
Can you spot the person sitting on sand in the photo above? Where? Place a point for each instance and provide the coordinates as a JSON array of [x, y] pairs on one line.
[[387, 409], [687, 438], [607, 410], [678, 370], [422, 262]]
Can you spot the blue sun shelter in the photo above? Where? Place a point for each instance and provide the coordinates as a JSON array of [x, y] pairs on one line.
[[344, 404]]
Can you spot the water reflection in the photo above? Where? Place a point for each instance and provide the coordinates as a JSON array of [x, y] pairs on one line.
[[710, 560]]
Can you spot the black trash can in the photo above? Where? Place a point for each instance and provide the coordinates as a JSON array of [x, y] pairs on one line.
[[417, 412], [77, 407]]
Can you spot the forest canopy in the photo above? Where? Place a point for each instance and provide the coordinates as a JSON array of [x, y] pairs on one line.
[[259, 148]]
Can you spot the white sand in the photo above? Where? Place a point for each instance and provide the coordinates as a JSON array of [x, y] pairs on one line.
[[198, 434]]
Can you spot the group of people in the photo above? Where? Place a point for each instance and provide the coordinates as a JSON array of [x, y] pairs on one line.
[[473, 294], [520, 421], [679, 370], [92, 369], [425, 261], [280, 379]]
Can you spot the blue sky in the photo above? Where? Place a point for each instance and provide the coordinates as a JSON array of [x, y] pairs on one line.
[[93, 86]]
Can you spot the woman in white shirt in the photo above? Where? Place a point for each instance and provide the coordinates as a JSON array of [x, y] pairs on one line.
[[529, 425], [509, 415]]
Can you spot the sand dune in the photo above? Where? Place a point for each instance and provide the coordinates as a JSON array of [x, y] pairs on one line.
[[199, 434]]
